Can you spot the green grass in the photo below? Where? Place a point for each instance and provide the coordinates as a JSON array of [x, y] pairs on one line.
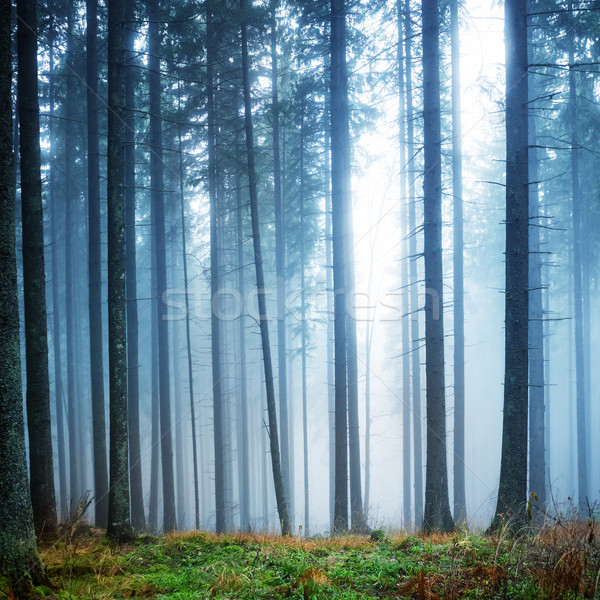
[[554, 564]]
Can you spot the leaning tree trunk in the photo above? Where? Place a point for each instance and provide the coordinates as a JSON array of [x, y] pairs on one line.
[[41, 471], [340, 205], [280, 269], [512, 491], [158, 220], [95, 270], [437, 506], [19, 557], [118, 496], [282, 507], [460, 501]]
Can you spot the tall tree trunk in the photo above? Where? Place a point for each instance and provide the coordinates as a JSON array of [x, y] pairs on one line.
[[280, 267], [582, 468], [188, 336], [304, 333], [244, 451], [282, 507], [70, 316], [330, 335], [155, 400], [95, 271], [56, 322], [118, 499], [406, 437], [133, 376], [512, 491], [215, 324], [158, 221], [460, 498], [41, 471], [18, 550], [340, 202], [537, 466], [413, 279], [437, 506]]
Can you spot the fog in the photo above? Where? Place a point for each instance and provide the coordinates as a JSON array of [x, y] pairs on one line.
[[204, 184]]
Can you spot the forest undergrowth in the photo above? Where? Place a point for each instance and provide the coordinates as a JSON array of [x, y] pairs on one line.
[[555, 562]]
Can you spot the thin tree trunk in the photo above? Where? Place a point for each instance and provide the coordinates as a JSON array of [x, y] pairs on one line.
[[72, 405], [303, 331], [56, 323], [19, 557], [406, 437], [582, 468], [437, 507], [138, 521], [95, 271], [118, 499], [41, 471], [460, 498], [188, 337], [282, 507], [512, 491], [244, 451], [158, 222], [413, 279], [155, 400], [330, 335], [215, 324]]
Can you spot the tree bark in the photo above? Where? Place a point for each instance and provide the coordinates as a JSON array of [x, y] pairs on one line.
[[41, 471], [95, 271], [340, 202], [437, 507], [18, 550], [138, 521], [512, 491], [119, 527], [537, 451], [158, 221]]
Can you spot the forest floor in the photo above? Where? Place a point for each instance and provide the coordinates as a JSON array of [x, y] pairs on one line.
[[558, 562]]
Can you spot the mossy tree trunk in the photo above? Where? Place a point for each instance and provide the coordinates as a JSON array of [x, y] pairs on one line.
[[118, 499], [18, 550], [95, 270], [34, 279]]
